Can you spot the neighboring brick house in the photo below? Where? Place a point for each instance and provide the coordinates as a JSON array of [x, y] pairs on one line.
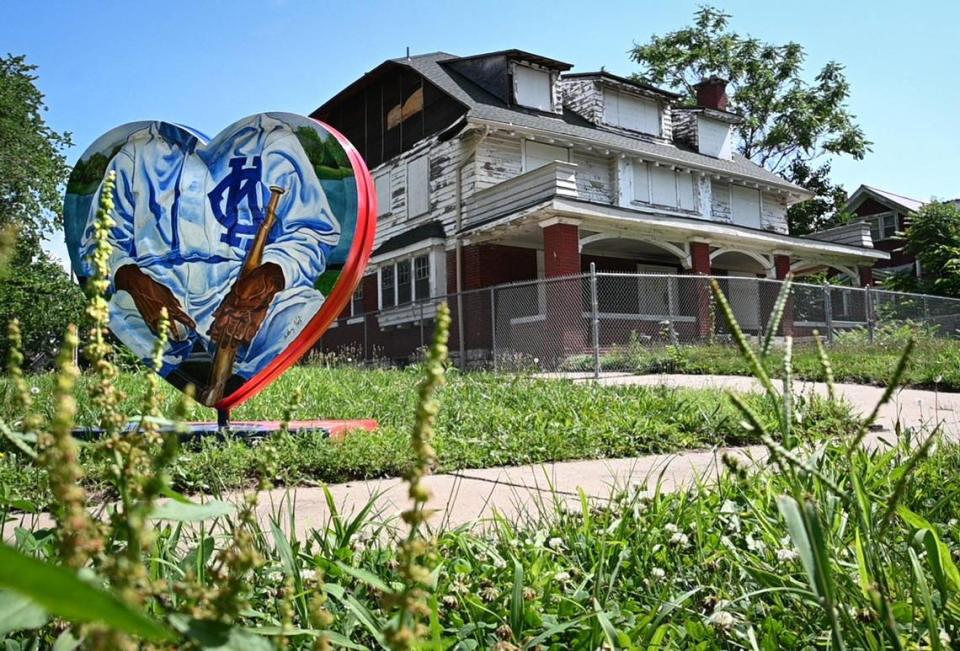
[[888, 215], [505, 167]]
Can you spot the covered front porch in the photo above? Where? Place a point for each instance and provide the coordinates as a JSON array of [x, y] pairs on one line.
[[559, 235]]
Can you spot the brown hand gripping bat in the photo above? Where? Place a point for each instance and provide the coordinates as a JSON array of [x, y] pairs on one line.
[[226, 354]]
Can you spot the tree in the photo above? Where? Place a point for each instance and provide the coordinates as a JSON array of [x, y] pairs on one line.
[[33, 287], [933, 237], [789, 125], [32, 165]]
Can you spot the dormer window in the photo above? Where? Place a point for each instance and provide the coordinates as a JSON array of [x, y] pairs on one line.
[[532, 87], [631, 112]]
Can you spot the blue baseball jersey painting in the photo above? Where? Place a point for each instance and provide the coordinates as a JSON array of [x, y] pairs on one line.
[[187, 214]]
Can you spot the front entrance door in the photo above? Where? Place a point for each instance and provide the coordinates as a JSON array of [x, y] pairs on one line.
[[743, 292]]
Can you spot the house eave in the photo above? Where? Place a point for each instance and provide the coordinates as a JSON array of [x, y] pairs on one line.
[[603, 217]]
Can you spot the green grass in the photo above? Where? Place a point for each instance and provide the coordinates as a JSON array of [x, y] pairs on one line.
[[488, 420], [934, 365]]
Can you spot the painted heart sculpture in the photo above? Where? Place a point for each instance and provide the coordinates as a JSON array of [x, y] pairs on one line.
[[253, 241]]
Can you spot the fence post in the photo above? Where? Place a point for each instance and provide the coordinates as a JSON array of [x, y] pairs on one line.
[[926, 310], [868, 304], [595, 311], [828, 312], [493, 327]]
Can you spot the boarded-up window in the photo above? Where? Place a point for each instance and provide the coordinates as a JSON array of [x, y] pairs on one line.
[[685, 186], [532, 88], [630, 112], [663, 186], [746, 206], [418, 191], [641, 182], [538, 154], [382, 183]]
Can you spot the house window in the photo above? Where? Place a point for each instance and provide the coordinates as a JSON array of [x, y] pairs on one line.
[[406, 280], [657, 292], [538, 154], [356, 303], [532, 88], [418, 191], [388, 293], [382, 182], [685, 191], [631, 112], [746, 206], [421, 276], [663, 186], [404, 283], [883, 227]]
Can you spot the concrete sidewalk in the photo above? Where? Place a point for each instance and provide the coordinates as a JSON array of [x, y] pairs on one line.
[[471, 497]]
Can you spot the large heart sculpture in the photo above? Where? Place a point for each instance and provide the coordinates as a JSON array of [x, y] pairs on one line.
[[253, 241]]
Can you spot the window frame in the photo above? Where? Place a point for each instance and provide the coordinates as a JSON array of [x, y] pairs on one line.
[[383, 207], [426, 185], [516, 87], [645, 194], [394, 265], [357, 296]]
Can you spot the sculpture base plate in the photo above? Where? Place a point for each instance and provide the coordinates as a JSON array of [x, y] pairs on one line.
[[253, 429]]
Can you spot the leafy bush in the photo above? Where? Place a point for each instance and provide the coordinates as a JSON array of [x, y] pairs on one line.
[[37, 292]]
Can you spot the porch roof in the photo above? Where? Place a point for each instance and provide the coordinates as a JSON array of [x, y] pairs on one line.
[[639, 224]]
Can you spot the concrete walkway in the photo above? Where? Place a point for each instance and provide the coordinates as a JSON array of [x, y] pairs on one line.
[[471, 497]]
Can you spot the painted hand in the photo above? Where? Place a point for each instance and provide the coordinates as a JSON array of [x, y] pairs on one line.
[[151, 297], [239, 316]]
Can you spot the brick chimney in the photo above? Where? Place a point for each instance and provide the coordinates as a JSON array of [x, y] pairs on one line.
[[712, 93]]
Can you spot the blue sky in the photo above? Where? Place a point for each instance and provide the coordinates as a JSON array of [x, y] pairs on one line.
[[206, 63]]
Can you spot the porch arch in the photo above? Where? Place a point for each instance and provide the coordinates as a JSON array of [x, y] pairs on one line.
[[803, 265], [765, 261], [682, 253]]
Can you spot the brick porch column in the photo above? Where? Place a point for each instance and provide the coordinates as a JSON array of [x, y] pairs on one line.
[[561, 257], [866, 276], [781, 265], [700, 258]]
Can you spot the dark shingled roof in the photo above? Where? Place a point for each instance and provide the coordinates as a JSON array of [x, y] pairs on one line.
[[426, 231], [482, 105]]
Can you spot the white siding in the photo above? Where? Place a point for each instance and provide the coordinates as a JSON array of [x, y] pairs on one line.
[[629, 112], [663, 186], [594, 181], [715, 138], [418, 189], [538, 154], [532, 88], [746, 206]]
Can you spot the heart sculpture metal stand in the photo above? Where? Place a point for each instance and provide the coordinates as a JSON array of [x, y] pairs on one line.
[[253, 242]]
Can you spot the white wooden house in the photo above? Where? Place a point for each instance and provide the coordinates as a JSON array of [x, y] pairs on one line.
[[506, 166]]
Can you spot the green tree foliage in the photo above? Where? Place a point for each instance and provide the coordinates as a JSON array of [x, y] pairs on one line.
[[33, 169], [32, 165], [789, 124], [933, 237], [36, 290]]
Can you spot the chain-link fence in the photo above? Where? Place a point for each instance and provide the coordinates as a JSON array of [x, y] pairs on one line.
[[600, 320]]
